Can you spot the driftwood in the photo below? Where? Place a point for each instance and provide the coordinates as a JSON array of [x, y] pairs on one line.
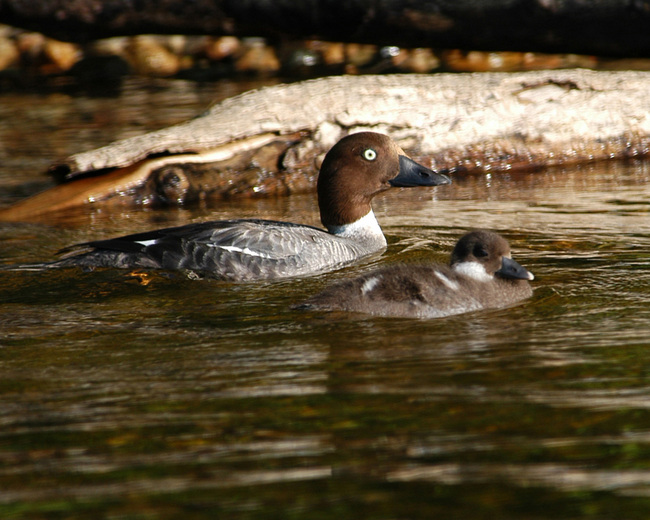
[[269, 140], [603, 27]]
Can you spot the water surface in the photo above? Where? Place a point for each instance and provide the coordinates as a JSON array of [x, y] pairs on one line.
[[131, 395]]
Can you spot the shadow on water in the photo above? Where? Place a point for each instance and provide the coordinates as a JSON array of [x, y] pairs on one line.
[[151, 395]]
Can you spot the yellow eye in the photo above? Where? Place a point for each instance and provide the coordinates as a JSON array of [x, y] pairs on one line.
[[369, 154]]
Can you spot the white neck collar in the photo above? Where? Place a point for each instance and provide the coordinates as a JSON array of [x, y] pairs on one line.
[[366, 226]]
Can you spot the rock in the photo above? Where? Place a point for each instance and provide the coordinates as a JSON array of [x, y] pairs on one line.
[[419, 60], [30, 45], [62, 54], [257, 57], [333, 53], [221, 48], [9, 54], [148, 56]]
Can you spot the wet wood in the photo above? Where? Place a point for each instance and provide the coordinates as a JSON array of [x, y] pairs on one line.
[[460, 122], [603, 27], [126, 182]]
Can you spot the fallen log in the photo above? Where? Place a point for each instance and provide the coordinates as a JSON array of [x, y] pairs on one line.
[[268, 141]]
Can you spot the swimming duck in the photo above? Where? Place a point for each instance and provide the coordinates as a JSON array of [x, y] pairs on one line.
[[481, 275], [354, 171]]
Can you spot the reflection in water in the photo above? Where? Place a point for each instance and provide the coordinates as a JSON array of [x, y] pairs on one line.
[[562, 477], [181, 398]]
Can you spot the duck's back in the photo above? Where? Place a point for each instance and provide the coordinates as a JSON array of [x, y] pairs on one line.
[[230, 250]]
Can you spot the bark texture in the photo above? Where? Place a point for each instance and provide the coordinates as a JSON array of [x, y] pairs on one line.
[[602, 27]]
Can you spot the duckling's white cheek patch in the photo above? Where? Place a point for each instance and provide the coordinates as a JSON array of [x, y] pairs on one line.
[[473, 270], [449, 283], [370, 284]]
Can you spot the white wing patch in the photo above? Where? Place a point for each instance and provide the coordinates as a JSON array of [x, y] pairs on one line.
[[146, 243], [449, 283], [243, 251], [370, 284], [473, 270]]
